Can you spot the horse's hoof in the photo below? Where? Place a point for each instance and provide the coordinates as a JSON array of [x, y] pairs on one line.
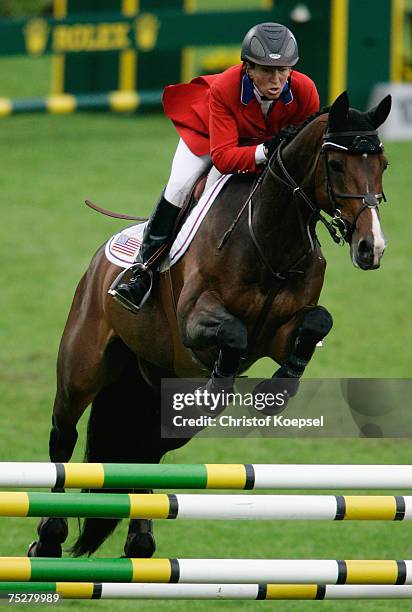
[[272, 396], [287, 385], [32, 552], [214, 396], [140, 545], [53, 530], [44, 549]]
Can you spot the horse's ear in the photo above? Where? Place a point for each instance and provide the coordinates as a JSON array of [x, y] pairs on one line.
[[378, 114], [338, 112]]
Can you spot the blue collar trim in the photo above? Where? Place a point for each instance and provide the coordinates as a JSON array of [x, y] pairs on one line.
[[286, 96], [247, 92]]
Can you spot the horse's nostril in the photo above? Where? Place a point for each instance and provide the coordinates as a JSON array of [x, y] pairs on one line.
[[365, 249], [365, 254]]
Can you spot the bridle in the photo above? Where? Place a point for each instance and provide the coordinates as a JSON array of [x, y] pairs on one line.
[[363, 143], [360, 143]]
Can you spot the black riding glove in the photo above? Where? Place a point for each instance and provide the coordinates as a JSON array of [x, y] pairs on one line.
[[286, 134]]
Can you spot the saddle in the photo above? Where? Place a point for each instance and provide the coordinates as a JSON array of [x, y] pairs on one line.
[[122, 248]]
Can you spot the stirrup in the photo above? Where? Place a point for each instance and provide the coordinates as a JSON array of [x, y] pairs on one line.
[[130, 306]]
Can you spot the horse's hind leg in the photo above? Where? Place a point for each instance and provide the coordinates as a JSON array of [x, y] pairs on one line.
[[140, 541], [296, 342]]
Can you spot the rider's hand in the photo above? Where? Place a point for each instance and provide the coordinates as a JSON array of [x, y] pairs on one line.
[[285, 134]]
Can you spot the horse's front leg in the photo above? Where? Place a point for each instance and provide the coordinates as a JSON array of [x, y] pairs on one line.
[[86, 363], [293, 346], [209, 324], [68, 407]]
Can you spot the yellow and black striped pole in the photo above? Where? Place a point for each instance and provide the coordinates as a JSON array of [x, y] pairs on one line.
[[207, 507], [225, 571]]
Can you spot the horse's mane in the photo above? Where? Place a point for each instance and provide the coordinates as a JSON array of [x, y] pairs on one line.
[[355, 120], [322, 111], [291, 131]]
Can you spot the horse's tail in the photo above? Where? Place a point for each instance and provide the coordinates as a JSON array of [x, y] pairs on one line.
[[123, 427]]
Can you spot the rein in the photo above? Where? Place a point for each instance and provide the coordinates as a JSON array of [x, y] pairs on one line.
[[282, 276], [331, 226]]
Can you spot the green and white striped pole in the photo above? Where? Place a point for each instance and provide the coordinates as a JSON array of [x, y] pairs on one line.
[[204, 476], [205, 591], [227, 571], [207, 507]]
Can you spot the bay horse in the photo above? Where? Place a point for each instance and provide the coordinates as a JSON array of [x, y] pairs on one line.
[[248, 287]]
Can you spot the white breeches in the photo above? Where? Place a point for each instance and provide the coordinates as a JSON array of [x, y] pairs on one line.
[[186, 169]]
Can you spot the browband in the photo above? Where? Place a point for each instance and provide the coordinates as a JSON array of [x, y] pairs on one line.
[[363, 141], [359, 133]]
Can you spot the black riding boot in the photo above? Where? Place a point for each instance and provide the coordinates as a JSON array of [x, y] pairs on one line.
[[158, 231]]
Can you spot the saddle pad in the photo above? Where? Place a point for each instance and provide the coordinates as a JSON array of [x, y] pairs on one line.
[[122, 248]]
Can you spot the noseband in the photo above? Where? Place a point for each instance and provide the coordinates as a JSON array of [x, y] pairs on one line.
[[357, 143]]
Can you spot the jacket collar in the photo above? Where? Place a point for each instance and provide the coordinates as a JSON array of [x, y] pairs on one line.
[[247, 93]]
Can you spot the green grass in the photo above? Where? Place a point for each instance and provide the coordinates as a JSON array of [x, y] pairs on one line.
[[49, 166], [27, 77]]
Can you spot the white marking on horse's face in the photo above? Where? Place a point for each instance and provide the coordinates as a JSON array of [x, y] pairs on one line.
[[376, 240], [379, 242]]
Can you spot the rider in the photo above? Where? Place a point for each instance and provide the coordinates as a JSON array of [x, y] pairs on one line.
[[228, 123]]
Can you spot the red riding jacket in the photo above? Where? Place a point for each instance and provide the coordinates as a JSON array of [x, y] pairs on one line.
[[219, 114]]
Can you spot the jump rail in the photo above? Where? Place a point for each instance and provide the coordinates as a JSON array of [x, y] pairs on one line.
[[224, 571], [208, 591], [204, 476], [220, 507]]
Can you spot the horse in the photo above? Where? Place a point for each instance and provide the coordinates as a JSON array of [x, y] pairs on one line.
[[248, 287]]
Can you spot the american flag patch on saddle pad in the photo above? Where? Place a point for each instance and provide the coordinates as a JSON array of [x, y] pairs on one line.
[[126, 245]]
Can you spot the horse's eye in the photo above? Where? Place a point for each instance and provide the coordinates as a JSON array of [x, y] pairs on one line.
[[337, 166], [385, 165]]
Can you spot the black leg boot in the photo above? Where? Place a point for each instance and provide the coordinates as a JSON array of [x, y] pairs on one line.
[[159, 229]]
